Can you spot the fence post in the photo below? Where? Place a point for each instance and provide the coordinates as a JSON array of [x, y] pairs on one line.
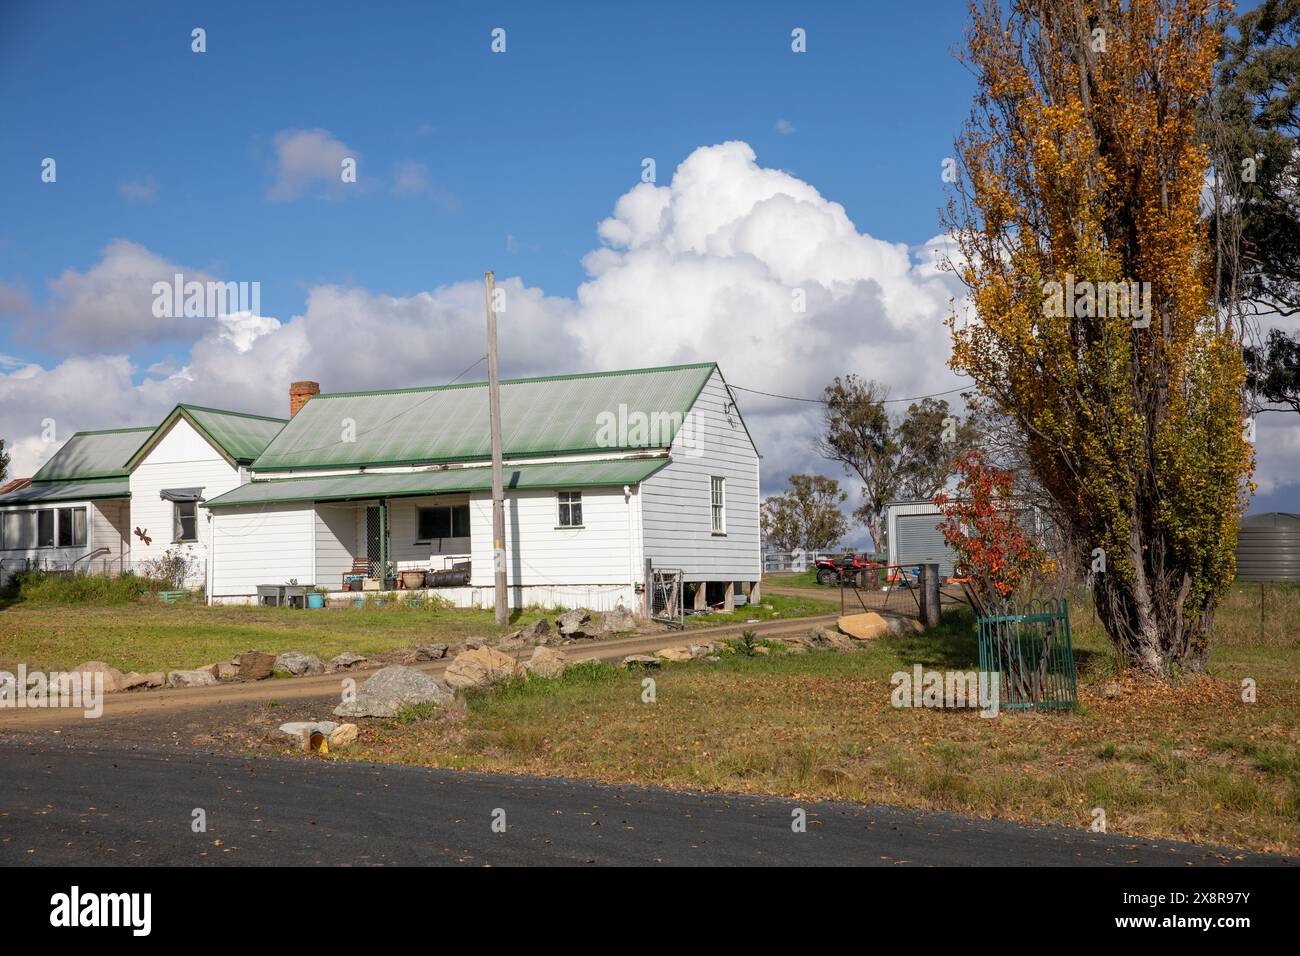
[[930, 595]]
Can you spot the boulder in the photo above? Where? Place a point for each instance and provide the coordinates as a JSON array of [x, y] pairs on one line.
[[343, 735], [575, 624], [833, 640], [155, 679], [699, 650], [114, 679], [863, 627], [641, 660], [199, 677], [536, 633], [546, 662], [430, 652], [480, 667], [342, 662], [299, 663], [619, 619], [225, 670], [905, 625], [511, 644], [390, 689], [134, 679], [255, 665], [674, 654]]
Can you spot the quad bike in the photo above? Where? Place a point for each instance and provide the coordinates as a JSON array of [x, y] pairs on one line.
[[846, 568]]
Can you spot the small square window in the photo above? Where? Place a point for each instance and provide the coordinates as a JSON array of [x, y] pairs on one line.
[[570, 509], [435, 523]]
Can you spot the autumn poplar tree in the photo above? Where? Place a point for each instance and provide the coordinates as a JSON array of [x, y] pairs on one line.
[[1078, 220]]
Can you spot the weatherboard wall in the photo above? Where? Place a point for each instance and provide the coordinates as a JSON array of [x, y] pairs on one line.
[[676, 501], [268, 544], [182, 458]]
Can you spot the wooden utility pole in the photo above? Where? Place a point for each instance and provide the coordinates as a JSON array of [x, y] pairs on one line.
[[501, 604]]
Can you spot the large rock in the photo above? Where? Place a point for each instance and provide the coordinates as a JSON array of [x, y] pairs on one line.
[[546, 662], [390, 689], [619, 619], [536, 633], [863, 627], [134, 679], [255, 665], [342, 662], [575, 624], [343, 735], [114, 679], [200, 677], [832, 640], [225, 670], [512, 643], [430, 652], [674, 654], [299, 663], [480, 667], [641, 660]]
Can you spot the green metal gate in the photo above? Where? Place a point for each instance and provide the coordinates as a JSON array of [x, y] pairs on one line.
[[1029, 652]]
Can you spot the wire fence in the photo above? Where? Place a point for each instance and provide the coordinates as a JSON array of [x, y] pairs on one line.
[[196, 571]]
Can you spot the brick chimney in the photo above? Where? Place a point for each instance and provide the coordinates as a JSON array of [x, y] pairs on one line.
[[299, 393]]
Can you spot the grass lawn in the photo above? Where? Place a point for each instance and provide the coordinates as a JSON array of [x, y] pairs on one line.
[[146, 636], [1188, 762]]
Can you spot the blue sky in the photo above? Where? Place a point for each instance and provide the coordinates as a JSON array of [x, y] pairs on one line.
[[470, 160], [535, 143]]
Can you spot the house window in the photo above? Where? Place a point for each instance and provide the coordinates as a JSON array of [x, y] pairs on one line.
[[570, 509], [45, 529], [185, 521], [19, 530], [447, 522], [72, 527], [718, 504]]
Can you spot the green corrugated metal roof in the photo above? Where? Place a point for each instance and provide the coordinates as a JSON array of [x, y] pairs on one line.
[[49, 491], [98, 454], [243, 437], [569, 474], [240, 436], [539, 416]]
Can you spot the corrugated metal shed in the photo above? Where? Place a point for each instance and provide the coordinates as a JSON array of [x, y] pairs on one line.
[[556, 414], [576, 474], [48, 491], [97, 454], [1268, 547]]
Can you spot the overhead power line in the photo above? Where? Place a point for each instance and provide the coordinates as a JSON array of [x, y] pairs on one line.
[[822, 401]]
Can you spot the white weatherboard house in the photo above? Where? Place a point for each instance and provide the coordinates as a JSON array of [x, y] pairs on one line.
[[604, 472], [75, 514], [196, 453]]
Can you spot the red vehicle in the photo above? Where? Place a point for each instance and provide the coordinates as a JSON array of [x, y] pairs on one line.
[[846, 568]]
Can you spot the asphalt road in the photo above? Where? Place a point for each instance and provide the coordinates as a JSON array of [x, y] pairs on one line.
[[116, 804]]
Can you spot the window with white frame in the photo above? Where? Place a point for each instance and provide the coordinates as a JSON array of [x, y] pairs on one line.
[[72, 527], [185, 519], [570, 509], [442, 521], [718, 504]]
